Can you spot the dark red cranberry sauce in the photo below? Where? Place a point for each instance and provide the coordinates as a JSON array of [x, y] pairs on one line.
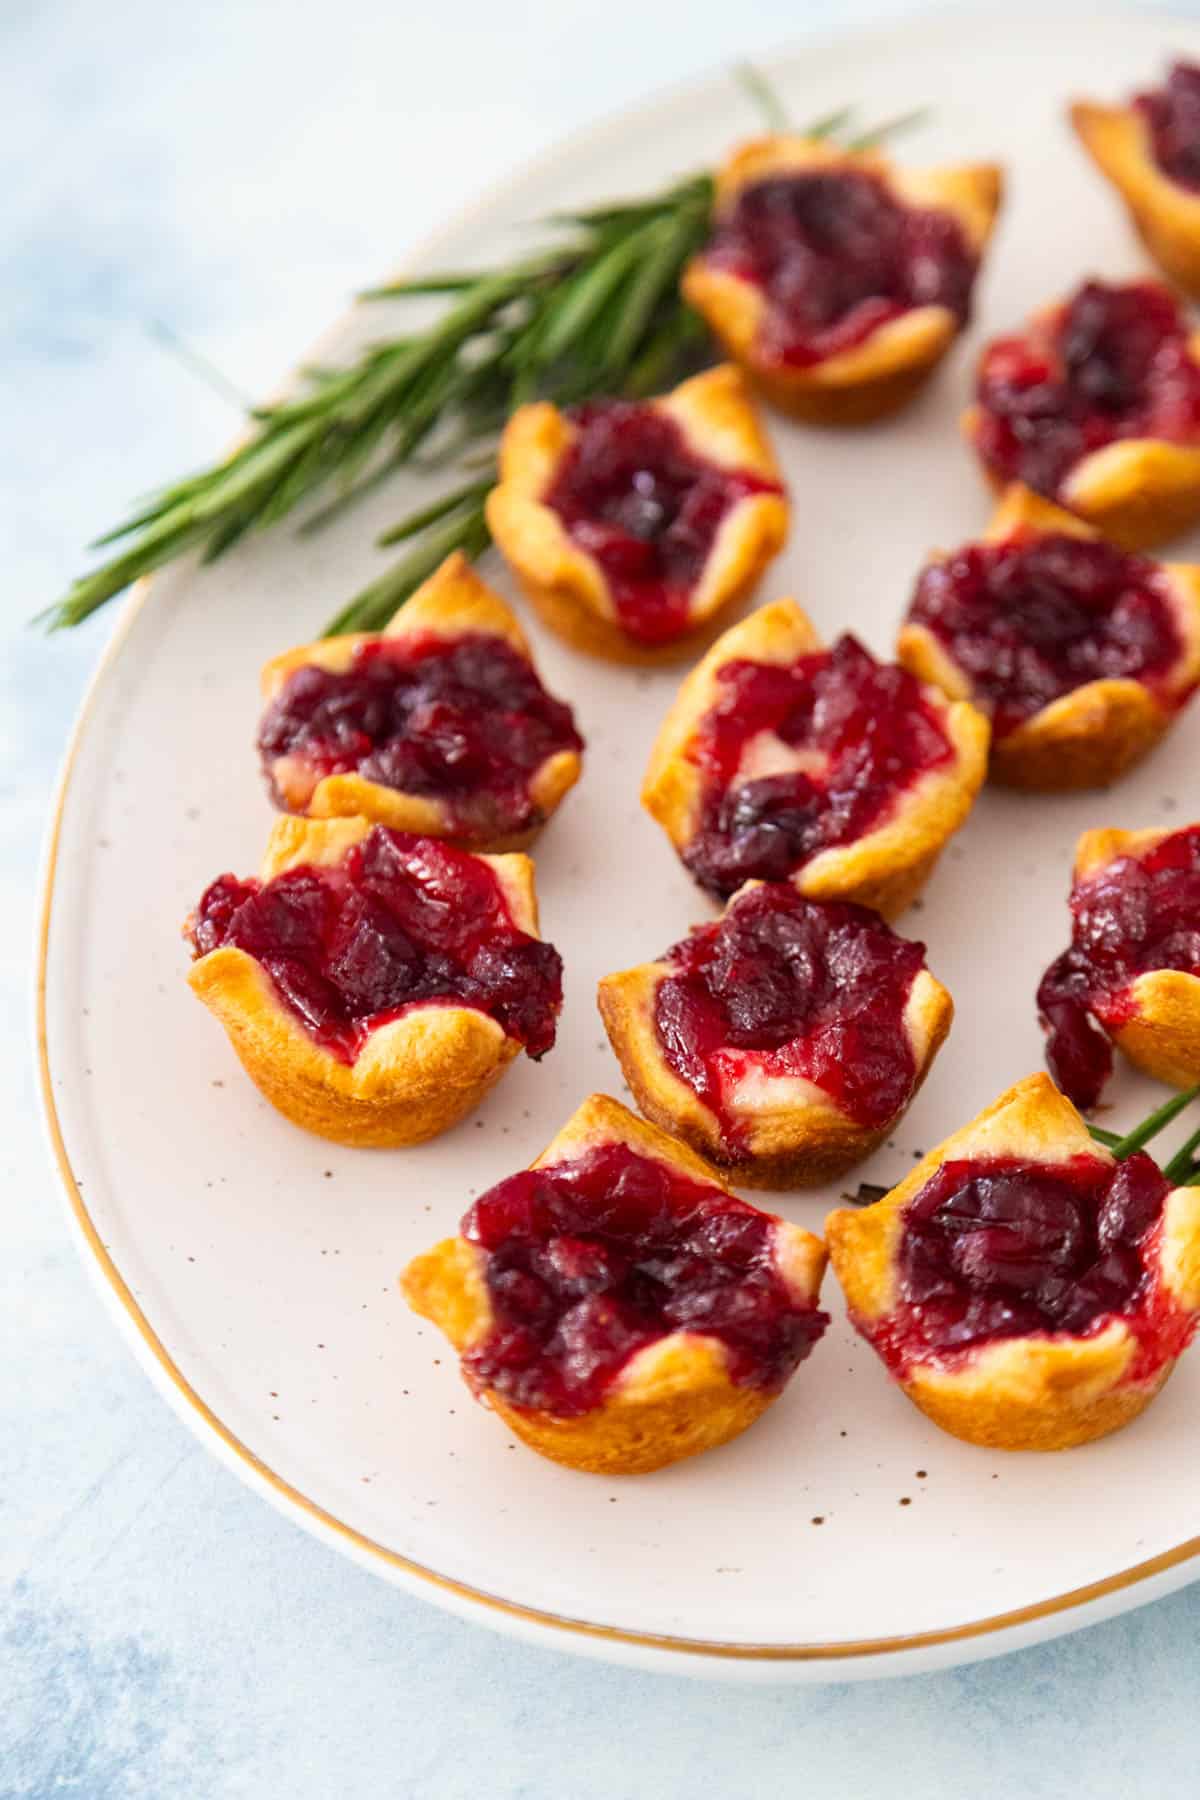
[[1172, 115], [463, 720], [837, 256], [1029, 619], [400, 921], [1112, 363], [1135, 914], [1000, 1248], [868, 731], [591, 1259], [795, 987], [634, 495]]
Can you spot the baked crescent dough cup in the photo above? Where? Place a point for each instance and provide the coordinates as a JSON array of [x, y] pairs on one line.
[[569, 588], [1157, 1024], [415, 1074], [766, 1127], [883, 372], [454, 603], [1136, 491], [1090, 736], [1165, 214], [673, 1397], [887, 866], [1049, 1389]]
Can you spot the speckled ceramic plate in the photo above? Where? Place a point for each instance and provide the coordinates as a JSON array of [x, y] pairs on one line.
[[254, 1268]]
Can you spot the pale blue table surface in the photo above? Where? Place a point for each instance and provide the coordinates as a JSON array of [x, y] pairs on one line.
[[233, 171]]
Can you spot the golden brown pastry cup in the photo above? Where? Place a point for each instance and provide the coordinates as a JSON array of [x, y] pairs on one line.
[[675, 1397]]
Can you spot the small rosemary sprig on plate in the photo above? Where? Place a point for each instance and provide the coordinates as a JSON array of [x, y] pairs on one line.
[[1181, 1170], [596, 313]]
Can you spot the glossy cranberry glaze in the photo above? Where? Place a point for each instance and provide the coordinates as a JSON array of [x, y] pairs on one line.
[[635, 496], [1029, 619], [400, 921], [1135, 914], [868, 725], [999, 1248], [837, 256], [1111, 364], [1172, 115], [591, 1259], [463, 721], [792, 987]]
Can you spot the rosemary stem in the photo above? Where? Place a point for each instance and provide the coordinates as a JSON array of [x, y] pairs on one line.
[[763, 95], [830, 123], [1180, 1165], [1110, 1139], [438, 509], [1156, 1122], [867, 140], [373, 607]]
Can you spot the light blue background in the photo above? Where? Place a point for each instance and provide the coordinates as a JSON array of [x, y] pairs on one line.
[[233, 172]]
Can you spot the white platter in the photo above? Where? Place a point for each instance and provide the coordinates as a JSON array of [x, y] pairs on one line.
[[254, 1268]]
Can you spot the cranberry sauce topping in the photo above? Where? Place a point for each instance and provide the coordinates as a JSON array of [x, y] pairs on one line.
[[1136, 914], [837, 256], [590, 1260], [400, 921], [795, 987], [1031, 618], [1000, 1248], [863, 731], [1172, 115], [1112, 363], [464, 721], [637, 498]]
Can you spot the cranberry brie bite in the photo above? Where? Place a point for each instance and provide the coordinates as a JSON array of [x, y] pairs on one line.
[[438, 725], [783, 760], [1080, 654], [1131, 975], [1149, 149], [632, 524], [1096, 405], [783, 1042], [1027, 1291], [836, 279], [616, 1305], [376, 984]]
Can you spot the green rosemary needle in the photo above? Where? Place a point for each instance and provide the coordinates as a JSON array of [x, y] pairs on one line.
[[1110, 1139], [1181, 1163], [598, 312], [1181, 1170], [1155, 1122]]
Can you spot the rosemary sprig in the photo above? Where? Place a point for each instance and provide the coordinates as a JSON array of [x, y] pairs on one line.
[[598, 312], [1157, 1121], [1110, 1139], [1181, 1170], [877, 134], [1182, 1164], [460, 527], [765, 98]]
